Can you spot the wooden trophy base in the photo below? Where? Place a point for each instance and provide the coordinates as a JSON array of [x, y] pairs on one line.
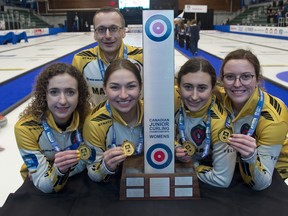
[[137, 185]]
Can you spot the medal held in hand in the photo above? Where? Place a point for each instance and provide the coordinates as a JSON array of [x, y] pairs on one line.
[[128, 148], [190, 148], [85, 151], [224, 134]]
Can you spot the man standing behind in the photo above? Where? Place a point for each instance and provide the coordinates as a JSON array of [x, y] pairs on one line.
[[194, 36], [109, 25]]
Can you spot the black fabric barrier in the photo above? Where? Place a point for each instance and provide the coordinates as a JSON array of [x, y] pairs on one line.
[[83, 197]]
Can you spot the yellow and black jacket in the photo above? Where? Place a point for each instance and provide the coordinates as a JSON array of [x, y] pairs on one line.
[[87, 62]]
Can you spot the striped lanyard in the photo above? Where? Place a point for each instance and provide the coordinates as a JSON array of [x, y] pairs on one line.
[[53, 141], [101, 64], [139, 147], [256, 115], [181, 126]]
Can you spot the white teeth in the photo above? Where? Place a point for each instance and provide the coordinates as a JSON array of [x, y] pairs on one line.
[[238, 91], [193, 103], [123, 102], [62, 108]]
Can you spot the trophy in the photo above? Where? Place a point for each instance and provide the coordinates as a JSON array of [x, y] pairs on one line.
[[155, 174]]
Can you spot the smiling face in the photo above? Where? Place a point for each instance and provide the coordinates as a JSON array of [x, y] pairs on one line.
[[237, 92], [195, 90], [109, 42], [62, 97], [123, 91]]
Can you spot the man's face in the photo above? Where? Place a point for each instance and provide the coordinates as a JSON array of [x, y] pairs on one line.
[[111, 38]]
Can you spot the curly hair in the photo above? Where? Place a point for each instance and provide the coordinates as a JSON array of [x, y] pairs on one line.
[[39, 106]]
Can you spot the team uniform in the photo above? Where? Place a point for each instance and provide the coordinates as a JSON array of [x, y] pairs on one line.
[[270, 134], [282, 163], [217, 168], [92, 63], [38, 153], [98, 131]]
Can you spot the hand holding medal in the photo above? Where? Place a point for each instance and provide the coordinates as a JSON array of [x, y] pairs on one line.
[[64, 160], [113, 157]]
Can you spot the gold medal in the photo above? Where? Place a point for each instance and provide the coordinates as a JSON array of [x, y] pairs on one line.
[[128, 148], [85, 151], [190, 148], [224, 134]]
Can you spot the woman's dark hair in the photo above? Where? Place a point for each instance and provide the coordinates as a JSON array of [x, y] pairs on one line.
[[243, 54], [122, 64], [195, 65]]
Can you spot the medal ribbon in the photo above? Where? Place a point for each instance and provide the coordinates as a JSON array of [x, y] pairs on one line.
[[139, 147], [53, 141], [181, 126], [256, 115], [208, 135], [113, 145], [101, 64]]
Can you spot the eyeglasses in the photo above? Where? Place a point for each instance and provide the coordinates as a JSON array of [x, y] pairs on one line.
[[245, 78], [102, 30]]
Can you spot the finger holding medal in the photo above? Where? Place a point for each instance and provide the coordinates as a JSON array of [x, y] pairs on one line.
[[113, 157], [181, 154], [244, 144], [64, 160]]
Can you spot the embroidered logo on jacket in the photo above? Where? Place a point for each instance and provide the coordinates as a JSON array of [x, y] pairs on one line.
[[198, 134]]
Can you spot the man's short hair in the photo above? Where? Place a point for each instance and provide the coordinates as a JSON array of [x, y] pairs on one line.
[[110, 10]]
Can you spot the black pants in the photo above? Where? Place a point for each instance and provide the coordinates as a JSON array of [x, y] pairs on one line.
[[181, 40], [187, 42]]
